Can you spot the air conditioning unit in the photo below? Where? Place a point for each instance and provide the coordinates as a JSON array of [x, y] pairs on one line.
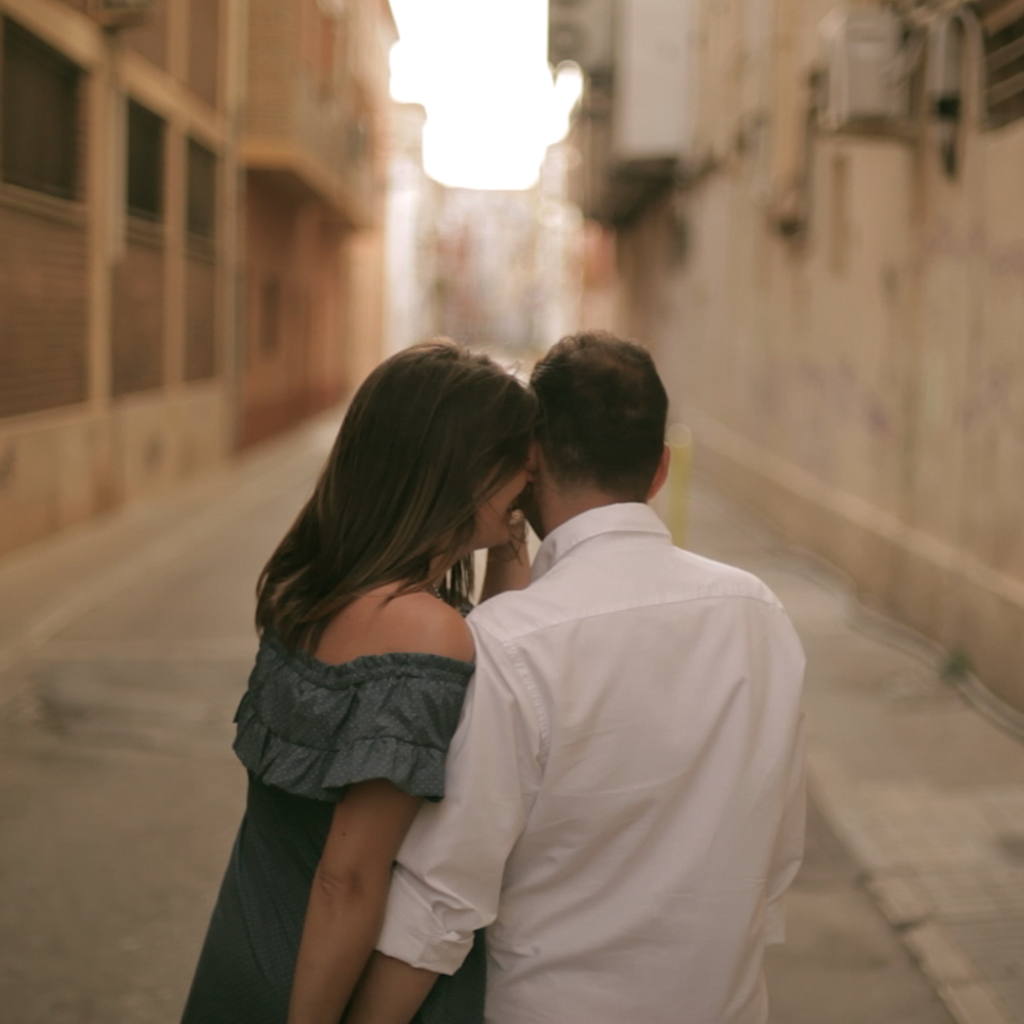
[[654, 90], [863, 80], [581, 31], [120, 13]]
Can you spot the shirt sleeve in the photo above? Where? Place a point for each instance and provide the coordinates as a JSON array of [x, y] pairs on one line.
[[447, 877], [788, 851]]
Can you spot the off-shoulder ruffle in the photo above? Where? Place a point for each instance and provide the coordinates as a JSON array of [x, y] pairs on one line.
[[313, 729]]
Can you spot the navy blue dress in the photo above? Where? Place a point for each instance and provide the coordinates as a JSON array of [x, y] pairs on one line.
[[307, 731]]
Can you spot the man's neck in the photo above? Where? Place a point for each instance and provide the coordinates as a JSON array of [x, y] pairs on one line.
[[559, 507]]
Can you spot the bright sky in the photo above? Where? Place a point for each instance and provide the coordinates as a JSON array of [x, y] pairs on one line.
[[480, 69]]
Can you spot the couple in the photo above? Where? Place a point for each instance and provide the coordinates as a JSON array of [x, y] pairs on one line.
[[623, 791]]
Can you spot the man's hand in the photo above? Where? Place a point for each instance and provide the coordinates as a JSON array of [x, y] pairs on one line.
[[390, 992]]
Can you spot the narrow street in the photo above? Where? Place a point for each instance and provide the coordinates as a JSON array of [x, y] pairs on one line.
[[119, 793], [218, 216], [126, 644]]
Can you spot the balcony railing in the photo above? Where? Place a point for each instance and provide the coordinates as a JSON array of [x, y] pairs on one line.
[[308, 122]]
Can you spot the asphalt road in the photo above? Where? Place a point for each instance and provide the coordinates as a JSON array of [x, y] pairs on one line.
[[119, 797]]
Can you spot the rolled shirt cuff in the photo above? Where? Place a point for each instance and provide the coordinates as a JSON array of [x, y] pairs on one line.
[[412, 933]]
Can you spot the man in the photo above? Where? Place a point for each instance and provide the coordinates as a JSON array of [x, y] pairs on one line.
[[625, 801]]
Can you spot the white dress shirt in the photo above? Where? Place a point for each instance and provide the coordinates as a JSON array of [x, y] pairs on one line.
[[625, 801]]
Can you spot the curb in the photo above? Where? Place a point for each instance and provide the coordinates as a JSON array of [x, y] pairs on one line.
[[968, 997]]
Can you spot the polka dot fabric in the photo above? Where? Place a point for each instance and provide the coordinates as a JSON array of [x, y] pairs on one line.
[[312, 729], [306, 731]]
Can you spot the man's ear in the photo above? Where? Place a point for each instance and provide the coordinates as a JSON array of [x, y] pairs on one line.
[[661, 473]]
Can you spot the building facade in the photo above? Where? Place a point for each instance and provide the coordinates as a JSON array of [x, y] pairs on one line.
[[117, 253], [315, 158], [190, 250], [823, 242], [497, 270], [411, 234]]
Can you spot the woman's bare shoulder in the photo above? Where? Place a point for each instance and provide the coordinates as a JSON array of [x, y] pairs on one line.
[[423, 624], [415, 623]]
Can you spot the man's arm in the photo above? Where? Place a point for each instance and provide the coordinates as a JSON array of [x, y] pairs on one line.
[[447, 880], [789, 845], [787, 656]]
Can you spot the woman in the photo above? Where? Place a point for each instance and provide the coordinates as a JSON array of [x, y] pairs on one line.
[[363, 663]]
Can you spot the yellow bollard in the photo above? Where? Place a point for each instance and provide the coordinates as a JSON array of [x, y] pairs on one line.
[[677, 512]]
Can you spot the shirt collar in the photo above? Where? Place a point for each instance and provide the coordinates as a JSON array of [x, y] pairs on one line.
[[624, 517]]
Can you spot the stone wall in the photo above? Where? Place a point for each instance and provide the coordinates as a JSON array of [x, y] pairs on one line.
[[861, 382]]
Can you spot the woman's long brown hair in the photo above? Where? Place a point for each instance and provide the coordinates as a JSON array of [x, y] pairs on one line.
[[429, 436]]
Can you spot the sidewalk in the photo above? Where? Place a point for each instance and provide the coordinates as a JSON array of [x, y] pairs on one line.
[[124, 647], [925, 793]]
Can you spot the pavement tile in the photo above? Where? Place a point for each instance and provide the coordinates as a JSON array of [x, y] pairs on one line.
[[944, 859], [939, 956], [996, 946], [968, 896], [973, 1004], [893, 762], [900, 898], [1007, 881], [945, 867]]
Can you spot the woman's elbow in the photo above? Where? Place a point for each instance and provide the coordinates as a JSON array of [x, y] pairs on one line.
[[347, 886]]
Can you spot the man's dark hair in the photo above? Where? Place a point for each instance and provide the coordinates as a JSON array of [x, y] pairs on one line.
[[602, 414]]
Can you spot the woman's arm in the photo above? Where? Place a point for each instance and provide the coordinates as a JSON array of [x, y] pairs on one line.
[[346, 902], [350, 887], [390, 993], [508, 566]]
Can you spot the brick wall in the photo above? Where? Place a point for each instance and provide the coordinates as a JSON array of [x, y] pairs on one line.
[[137, 329], [297, 365], [43, 310]]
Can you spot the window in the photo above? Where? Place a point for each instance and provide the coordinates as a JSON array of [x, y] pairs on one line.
[[202, 190], [145, 163], [270, 315], [1003, 22], [40, 112]]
